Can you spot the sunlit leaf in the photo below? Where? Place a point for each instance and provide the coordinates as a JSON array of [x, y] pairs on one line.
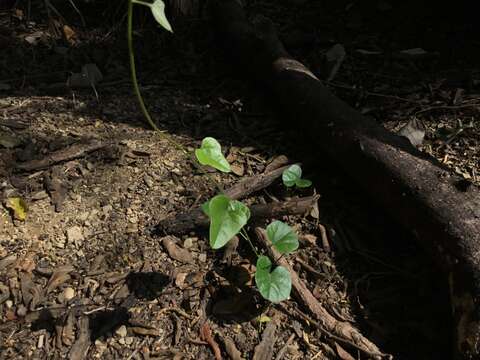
[[158, 11], [210, 153], [227, 217], [274, 286], [18, 207], [282, 237]]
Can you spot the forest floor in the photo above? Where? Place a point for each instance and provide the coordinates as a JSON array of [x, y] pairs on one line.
[[85, 274]]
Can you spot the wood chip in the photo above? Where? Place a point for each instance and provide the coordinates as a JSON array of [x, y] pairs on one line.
[[176, 252], [145, 331], [264, 350], [80, 348], [58, 278], [232, 350], [206, 335]]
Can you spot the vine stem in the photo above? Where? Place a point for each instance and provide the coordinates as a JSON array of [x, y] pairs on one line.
[[138, 94], [133, 74], [244, 234]]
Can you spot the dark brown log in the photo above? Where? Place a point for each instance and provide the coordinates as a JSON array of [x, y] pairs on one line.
[[341, 329], [254, 183], [192, 219], [413, 187], [69, 153], [183, 223]]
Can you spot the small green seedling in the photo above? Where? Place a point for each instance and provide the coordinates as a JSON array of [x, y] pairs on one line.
[[293, 177], [228, 217], [210, 153]]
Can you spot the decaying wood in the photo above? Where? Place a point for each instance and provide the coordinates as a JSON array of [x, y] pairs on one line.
[[341, 329], [195, 218], [70, 153], [254, 183], [206, 335], [80, 347], [264, 350], [232, 350], [412, 186], [189, 221]]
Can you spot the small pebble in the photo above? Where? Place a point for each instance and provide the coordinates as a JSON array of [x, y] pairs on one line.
[[202, 257], [121, 341], [129, 340], [188, 243], [121, 331], [22, 311], [68, 293], [41, 339], [9, 304]]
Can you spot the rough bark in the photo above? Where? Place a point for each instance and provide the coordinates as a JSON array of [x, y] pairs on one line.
[[416, 190]]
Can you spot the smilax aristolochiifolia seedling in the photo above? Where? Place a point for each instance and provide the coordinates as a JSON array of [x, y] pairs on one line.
[[293, 177], [228, 218]]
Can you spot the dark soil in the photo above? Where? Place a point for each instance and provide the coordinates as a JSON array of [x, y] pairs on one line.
[[85, 274]]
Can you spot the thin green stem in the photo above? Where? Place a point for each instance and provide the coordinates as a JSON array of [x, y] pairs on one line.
[[136, 88], [133, 73], [141, 3], [244, 234]]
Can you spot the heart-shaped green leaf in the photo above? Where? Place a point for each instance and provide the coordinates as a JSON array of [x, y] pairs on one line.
[[227, 217], [274, 286], [282, 237], [210, 153], [158, 11], [293, 176]]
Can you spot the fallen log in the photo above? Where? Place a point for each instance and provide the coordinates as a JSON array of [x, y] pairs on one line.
[[183, 223], [187, 221], [413, 187]]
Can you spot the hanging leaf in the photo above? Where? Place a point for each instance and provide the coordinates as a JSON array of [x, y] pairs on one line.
[[158, 11], [210, 153], [282, 237], [18, 208], [227, 217], [293, 176], [274, 286]]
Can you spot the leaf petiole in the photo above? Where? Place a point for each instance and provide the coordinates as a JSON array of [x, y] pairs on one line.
[[244, 234], [142, 3]]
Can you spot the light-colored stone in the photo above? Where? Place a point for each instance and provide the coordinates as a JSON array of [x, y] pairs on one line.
[[40, 342], [188, 243], [129, 340], [68, 293], [75, 235], [121, 331], [22, 311]]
